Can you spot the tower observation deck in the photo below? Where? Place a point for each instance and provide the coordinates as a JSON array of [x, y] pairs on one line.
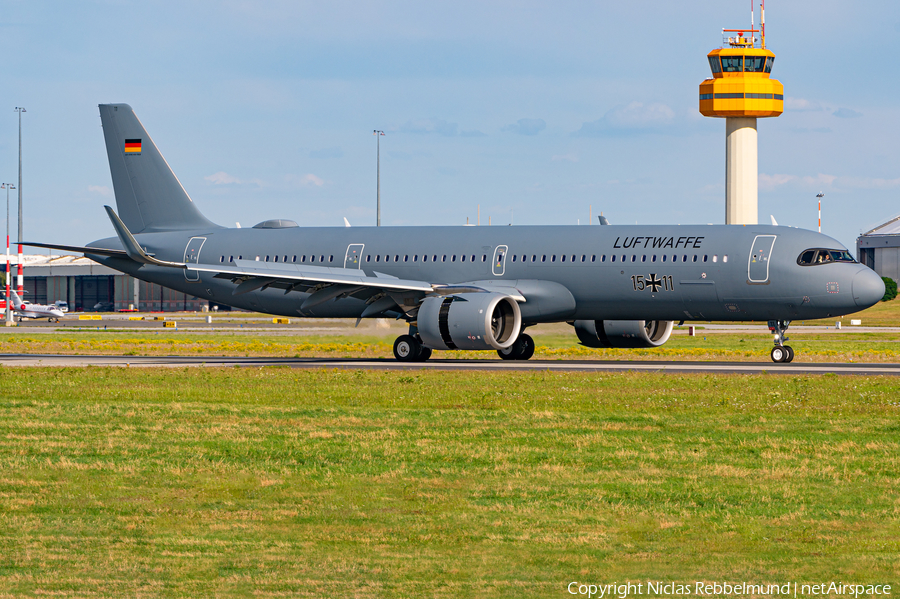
[[741, 90]]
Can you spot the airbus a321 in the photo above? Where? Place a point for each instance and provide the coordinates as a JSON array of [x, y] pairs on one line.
[[473, 288]]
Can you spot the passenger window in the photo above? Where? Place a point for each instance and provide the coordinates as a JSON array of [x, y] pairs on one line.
[[331, 258], [563, 258], [396, 258], [276, 258], [544, 258], [594, 258], [684, 258], [462, 258], [716, 258], [434, 258], [634, 258], [664, 258], [514, 258], [221, 258], [725, 258], [378, 258], [553, 258], [653, 258], [613, 259], [368, 258], [473, 257], [406, 258], [603, 258], [573, 258], [453, 258], [694, 259], [644, 258], [704, 257]]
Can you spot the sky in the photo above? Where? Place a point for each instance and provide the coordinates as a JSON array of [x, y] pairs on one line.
[[533, 112]]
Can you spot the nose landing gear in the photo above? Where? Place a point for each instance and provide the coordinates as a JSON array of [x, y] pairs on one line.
[[781, 352]]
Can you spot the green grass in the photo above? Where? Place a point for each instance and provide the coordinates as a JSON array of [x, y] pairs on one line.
[[556, 342], [275, 482]]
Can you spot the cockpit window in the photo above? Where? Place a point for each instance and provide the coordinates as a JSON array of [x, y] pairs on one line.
[[823, 256]]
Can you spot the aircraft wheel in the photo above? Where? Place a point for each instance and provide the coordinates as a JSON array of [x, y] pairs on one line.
[[779, 353], [407, 348], [790, 353], [521, 349], [424, 354]]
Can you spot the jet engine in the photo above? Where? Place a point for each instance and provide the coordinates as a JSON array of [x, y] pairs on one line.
[[623, 333], [469, 321]]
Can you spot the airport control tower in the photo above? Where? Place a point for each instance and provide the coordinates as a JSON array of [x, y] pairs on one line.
[[741, 90]]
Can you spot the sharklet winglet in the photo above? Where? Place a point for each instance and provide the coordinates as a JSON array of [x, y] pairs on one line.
[[132, 247]]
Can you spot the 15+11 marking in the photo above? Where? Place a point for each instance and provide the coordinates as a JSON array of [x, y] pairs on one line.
[[652, 282]]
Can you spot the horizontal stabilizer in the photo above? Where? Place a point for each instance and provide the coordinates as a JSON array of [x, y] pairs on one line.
[[78, 248]]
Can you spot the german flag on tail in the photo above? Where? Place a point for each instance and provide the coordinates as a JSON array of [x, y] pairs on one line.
[[132, 146]]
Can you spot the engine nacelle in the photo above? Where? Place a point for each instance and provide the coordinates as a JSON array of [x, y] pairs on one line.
[[623, 333], [469, 321]]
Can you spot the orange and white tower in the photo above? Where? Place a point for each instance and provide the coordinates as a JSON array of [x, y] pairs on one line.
[[741, 90]]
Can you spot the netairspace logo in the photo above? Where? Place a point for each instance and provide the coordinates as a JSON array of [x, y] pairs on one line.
[[624, 590]]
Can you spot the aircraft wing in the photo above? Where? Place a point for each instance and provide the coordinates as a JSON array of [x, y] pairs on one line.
[[381, 292]]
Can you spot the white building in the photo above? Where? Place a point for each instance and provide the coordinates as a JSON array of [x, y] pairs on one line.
[[879, 249]]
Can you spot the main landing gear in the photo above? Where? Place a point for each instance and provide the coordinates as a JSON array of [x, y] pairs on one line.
[[781, 352], [521, 349], [408, 348]]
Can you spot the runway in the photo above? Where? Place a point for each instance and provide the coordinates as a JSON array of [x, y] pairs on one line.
[[679, 367]]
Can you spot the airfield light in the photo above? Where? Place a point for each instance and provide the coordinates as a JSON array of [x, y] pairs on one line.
[[741, 90], [7, 187], [820, 195], [378, 133], [20, 279]]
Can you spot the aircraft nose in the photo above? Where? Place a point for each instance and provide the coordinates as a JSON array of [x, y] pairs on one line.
[[868, 288]]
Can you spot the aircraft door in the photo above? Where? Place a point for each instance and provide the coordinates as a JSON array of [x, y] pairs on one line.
[[192, 256], [499, 265], [760, 256], [353, 256]]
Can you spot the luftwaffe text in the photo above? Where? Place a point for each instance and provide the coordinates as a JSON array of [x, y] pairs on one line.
[[658, 242]]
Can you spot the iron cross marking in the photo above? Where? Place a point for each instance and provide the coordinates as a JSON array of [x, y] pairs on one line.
[[653, 283]]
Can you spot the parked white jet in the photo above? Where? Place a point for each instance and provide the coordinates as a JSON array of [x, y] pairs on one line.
[[52, 313]]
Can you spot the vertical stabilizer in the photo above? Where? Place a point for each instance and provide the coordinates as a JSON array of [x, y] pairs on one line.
[[148, 194]]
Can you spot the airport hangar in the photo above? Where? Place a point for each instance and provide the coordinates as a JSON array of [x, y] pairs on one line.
[[879, 249], [84, 283]]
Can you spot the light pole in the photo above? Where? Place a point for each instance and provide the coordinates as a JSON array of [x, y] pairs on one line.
[[20, 279], [7, 187], [378, 133], [820, 195]]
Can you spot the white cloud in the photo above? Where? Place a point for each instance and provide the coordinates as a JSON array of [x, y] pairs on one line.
[[635, 117], [222, 178], [526, 126], [437, 127], [305, 180], [770, 182], [847, 113], [801, 105], [100, 189]]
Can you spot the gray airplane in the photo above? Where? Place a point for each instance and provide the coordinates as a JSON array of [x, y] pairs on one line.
[[473, 288]]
